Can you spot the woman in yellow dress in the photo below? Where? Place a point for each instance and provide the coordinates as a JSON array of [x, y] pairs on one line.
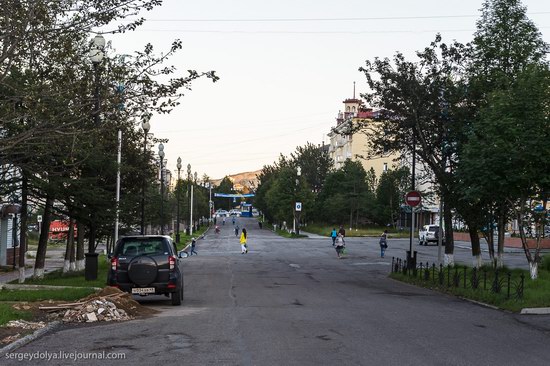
[[244, 247]]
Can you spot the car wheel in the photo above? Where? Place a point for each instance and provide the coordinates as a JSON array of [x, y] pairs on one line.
[[176, 297]]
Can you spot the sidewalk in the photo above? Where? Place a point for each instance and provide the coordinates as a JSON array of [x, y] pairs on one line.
[[54, 261], [314, 236], [485, 247]]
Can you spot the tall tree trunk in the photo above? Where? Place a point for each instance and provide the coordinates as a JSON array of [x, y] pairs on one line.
[[501, 225], [491, 241], [92, 236], [43, 240], [80, 246], [70, 243], [23, 231], [72, 255], [532, 260], [448, 259], [476, 247]]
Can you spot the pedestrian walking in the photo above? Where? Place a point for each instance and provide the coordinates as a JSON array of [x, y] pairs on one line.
[[237, 231], [383, 243], [223, 221], [342, 231], [340, 245], [333, 235], [193, 244], [233, 219], [244, 246]]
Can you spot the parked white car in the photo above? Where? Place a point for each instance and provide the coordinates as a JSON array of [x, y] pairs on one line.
[[222, 213], [429, 234]]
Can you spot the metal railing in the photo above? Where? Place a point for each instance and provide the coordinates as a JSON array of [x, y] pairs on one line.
[[492, 280]]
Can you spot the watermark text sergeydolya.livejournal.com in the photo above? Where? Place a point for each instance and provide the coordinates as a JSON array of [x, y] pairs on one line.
[[64, 355]]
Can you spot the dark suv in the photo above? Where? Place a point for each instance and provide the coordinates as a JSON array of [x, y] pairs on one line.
[[147, 265]]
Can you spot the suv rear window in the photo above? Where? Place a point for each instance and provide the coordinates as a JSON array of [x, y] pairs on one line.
[[433, 228], [142, 246]]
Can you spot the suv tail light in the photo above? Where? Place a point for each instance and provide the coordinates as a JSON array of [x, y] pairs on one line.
[[172, 262], [114, 263]]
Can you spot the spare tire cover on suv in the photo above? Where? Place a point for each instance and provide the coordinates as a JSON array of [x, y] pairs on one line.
[[142, 270]]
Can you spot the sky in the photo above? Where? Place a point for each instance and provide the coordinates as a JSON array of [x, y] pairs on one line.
[[285, 67]]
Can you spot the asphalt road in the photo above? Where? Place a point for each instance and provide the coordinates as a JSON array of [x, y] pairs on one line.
[[292, 302]]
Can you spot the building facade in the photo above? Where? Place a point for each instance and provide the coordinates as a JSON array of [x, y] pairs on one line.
[[344, 145]]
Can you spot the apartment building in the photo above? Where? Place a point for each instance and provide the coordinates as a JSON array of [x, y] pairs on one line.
[[354, 146]]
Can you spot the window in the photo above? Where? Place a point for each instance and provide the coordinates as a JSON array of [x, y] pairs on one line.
[[147, 246]]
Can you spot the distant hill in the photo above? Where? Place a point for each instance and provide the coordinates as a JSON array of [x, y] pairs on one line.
[[242, 182]]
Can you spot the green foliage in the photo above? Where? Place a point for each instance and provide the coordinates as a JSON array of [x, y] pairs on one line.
[[346, 196], [225, 186], [545, 263], [389, 195], [7, 313]]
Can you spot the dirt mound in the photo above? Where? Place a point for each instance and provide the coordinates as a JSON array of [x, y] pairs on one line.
[[109, 304]]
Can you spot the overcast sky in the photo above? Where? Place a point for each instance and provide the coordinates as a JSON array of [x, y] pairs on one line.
[[282, 82]]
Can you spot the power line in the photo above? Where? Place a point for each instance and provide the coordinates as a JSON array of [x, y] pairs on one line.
[[310, 32], [353, 19]]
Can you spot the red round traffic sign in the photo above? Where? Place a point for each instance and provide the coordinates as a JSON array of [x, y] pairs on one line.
[[412, 198]]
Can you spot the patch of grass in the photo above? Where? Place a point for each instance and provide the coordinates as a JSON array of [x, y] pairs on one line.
[[58, 278], [283, 233], [536, 293], [325, 230], [7, 313], [69, 294], [186, 239]]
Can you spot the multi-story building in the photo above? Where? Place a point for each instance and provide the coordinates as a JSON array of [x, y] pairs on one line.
[[347, 141], [354, 146]]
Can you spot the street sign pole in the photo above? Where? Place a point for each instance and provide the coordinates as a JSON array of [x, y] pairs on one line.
[[412, 199]]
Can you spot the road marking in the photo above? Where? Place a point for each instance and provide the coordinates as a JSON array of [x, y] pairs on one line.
[[294, 265], [369, 263]]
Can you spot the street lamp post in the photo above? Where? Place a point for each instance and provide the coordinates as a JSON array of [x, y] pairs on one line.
[[178, 187], [294, 225], [96, 55], [411, 257], [161, 156], [189, 198], [210, 203], [145, 125]]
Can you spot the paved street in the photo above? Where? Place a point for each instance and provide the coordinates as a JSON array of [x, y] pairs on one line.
[[292, 302]]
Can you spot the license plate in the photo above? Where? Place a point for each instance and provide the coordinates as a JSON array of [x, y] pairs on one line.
[[143, 290]]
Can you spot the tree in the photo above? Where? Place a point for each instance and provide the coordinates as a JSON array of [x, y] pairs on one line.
[[345, 195], [314, 162], [225, 186], [418, 101], [514, 167], [391, 189], [505, 44], [47, 132]]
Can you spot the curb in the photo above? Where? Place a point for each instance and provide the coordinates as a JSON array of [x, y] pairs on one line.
[[481, 304], [8, 286], [29, 338], [535, 311]]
